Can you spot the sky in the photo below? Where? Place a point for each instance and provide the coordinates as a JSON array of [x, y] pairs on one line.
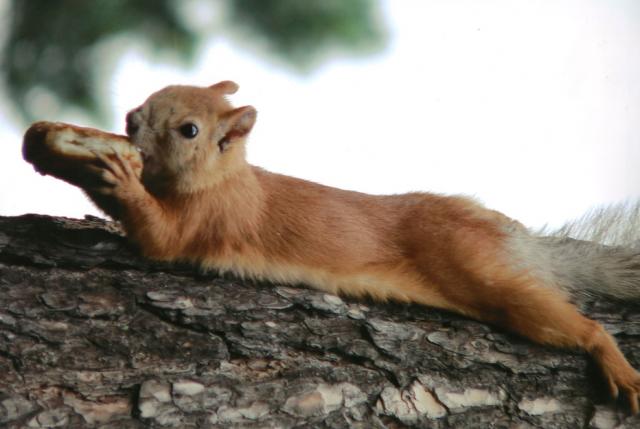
[[529, 106]]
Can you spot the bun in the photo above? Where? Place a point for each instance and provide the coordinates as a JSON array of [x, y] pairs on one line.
[[61, 150]]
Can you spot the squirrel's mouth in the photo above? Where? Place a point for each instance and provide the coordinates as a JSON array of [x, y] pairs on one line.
[[145, 156]]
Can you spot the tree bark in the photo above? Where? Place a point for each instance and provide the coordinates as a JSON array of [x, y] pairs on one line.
[[92, 335]]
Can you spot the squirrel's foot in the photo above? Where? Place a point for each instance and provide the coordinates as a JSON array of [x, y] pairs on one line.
[[623, 378]]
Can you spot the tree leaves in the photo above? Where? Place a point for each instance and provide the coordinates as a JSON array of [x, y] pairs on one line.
[[53, 46]]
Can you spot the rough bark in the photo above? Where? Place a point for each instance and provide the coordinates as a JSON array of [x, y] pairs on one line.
[[91, 335]]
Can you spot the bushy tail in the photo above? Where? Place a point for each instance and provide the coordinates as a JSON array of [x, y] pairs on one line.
[[616, 225], [597, 254]]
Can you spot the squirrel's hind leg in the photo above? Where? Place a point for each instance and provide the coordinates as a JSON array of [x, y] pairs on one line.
[[545, 316]]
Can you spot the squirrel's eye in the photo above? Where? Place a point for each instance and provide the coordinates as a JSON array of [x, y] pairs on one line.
[[188, 130]]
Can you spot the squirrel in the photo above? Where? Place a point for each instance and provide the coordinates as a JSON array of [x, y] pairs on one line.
[[198, 200]]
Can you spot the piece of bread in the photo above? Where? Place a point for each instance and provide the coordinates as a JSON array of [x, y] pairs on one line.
[[61, 150]]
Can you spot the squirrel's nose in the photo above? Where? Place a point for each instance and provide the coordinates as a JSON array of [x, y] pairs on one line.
[[132, 126]]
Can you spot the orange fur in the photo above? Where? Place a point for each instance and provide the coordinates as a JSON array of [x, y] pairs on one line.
[[200, 201]]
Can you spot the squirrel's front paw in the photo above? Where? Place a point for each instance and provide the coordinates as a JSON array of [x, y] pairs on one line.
[[119, 178]]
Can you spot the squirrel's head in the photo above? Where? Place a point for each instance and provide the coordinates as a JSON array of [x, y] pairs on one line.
[[190, 137]]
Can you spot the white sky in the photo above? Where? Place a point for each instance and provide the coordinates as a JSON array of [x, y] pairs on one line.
[[531, 106]]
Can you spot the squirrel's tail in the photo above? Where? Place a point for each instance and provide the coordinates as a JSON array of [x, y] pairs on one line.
[[599, 254]]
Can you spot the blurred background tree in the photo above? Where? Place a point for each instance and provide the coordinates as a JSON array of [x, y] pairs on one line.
[[54, 46]]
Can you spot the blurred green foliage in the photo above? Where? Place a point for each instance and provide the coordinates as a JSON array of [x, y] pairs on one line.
[[300, 31], [51, 44]]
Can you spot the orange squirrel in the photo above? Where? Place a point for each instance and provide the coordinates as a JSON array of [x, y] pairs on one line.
[[198, 200]]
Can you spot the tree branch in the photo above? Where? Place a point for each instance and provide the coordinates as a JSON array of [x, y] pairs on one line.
[[92, 335]]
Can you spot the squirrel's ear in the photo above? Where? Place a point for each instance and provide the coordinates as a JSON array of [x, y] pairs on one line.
[[237, 123], [225, 87]]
